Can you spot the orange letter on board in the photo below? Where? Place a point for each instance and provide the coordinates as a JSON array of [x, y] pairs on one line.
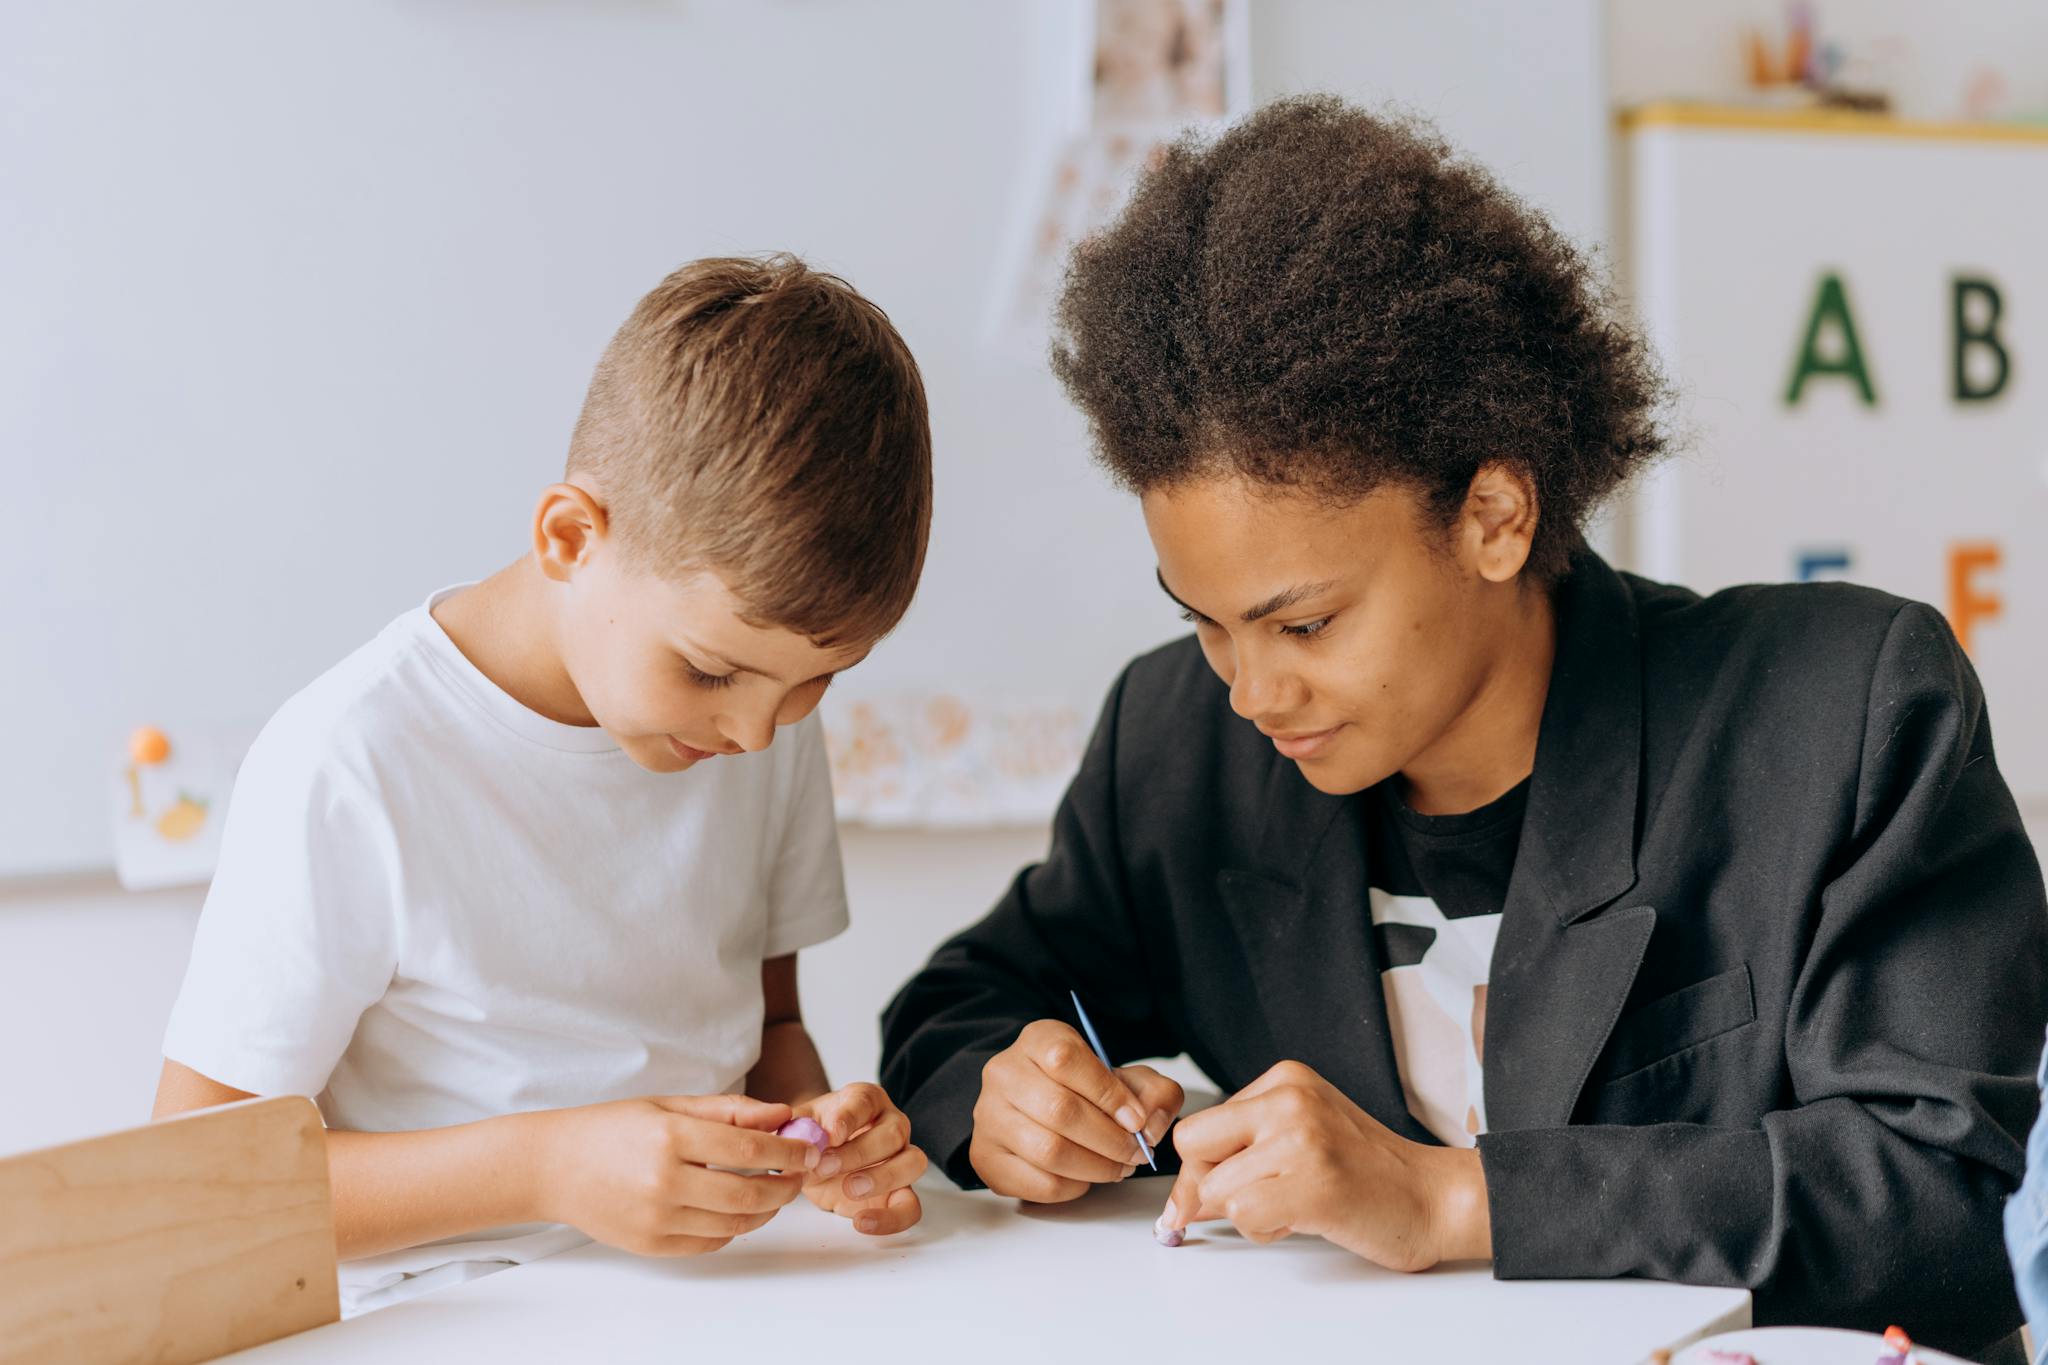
[[1967, 606]]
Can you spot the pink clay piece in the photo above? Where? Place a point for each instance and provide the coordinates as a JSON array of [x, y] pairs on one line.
[[806, 1130]]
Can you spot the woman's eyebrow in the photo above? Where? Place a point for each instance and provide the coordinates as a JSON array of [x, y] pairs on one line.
[[1279, 601], [1161, 576]]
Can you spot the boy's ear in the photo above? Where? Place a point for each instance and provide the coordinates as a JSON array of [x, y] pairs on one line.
[[567, 525], [1500, 520]]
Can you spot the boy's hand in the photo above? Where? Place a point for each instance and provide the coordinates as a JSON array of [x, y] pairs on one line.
[[636, 1174], [1052, 1120], [868, 1171], [1291, 1153]]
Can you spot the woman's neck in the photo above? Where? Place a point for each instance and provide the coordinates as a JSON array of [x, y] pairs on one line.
[[1492, 744]]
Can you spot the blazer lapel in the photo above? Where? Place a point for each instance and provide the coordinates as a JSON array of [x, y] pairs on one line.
[[1564, 962], [1306, 934]]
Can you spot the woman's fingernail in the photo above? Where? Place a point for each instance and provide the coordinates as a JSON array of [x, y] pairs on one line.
[[1130, 1118], [1155, 1127], [867, 1222], [860, 1186], [828, 1166]]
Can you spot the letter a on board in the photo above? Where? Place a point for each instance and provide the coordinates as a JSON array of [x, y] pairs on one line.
[[1985, 336], [1832, 302]]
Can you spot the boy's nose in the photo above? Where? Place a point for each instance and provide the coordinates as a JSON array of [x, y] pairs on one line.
[[748, 734]]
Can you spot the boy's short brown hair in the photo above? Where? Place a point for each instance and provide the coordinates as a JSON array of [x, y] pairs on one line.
[[763, 420]]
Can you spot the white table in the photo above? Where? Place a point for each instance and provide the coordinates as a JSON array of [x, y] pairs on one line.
[[985, 1280]]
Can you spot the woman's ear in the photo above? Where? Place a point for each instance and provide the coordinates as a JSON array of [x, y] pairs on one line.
[[1499, 521], [568, 524]]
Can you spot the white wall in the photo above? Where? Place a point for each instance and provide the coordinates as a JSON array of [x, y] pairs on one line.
[[301, 301], [1519, 84], [1924, 55]]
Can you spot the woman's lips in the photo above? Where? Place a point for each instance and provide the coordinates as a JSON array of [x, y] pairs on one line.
[[686, 753], [1303, 744]]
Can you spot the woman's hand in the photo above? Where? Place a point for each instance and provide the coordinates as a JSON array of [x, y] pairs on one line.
[[1290, 1153], [1052, 1120]]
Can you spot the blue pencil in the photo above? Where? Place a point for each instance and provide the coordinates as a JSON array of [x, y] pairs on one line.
[[1103, 1057]]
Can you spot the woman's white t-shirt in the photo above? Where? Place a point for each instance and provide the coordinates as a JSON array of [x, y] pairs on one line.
[[434, 905]]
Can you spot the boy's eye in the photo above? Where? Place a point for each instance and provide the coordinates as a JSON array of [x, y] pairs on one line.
[[1307, 629], [703, 679]]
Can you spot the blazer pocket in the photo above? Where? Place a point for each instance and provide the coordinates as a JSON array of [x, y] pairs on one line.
[[1685, 1018]]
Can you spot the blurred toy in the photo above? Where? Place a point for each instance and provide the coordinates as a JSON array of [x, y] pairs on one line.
[[1805, 70], [167, 803]]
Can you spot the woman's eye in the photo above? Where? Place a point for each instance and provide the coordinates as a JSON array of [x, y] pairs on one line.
[[1307, 628], [703, 679], [1193, 617]]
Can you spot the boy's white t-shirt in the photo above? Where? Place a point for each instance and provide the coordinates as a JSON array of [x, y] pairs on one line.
[[434, 905]]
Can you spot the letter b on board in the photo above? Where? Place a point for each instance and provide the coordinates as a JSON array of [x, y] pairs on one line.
[[1978, 332]]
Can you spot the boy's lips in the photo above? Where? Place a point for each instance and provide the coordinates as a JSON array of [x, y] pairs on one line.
[[688, 754], [1301, 744]]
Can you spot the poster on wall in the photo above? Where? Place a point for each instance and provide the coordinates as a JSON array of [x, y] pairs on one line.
[[1153, 69], [1854, 314]]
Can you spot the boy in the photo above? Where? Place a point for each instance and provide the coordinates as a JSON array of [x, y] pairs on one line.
[[516, 890]]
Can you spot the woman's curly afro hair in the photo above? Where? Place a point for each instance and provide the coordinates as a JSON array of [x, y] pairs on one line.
[[1329, 301]]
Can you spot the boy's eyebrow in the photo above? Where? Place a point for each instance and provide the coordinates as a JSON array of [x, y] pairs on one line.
[[1279, 601], [712, 656], [717, 660]]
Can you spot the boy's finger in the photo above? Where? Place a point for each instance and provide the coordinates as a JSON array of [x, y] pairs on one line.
[[886, 1138], [1051, 1105], [898, 1172], [709, 1142], [898, 1213], [849, 1109], [731, 1192], [742, 1111], [686, 1245], [709, 1223], [1065, 1056]]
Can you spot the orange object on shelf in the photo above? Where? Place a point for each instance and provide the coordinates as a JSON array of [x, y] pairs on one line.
[[148, 745]]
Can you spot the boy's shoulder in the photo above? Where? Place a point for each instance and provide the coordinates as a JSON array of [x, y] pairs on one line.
[[336, 730]]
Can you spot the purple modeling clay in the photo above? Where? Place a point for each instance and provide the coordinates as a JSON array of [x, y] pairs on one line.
[[806, 1130], [1165, 1233]]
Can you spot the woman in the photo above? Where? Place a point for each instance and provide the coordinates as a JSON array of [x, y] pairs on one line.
[[1532, 911]]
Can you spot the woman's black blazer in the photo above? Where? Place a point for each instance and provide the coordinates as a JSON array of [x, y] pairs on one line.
[[1769, 986]]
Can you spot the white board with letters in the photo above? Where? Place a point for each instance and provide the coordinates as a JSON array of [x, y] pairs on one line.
[[1855, 315]]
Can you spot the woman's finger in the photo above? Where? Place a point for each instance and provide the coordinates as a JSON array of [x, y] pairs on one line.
[[1052, 1106]]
